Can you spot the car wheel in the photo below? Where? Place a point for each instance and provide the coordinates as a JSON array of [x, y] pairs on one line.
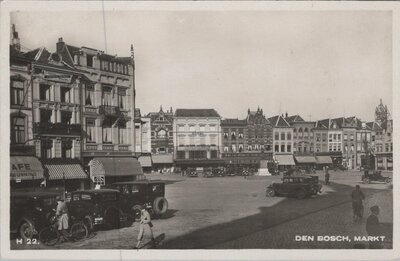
[[137, 212], [270, 192], [160, 206], [26, 231], [301, 193]]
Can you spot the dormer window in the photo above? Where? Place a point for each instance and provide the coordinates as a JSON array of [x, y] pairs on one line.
[[89, 60]]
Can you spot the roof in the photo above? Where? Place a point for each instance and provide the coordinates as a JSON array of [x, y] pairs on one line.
[[233, 122], [278, 121], [65, 171], [196, 113], [294, 118], [285, 160], [374, 126]]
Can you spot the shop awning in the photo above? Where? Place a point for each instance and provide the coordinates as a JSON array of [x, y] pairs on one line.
[[115, 167], [324, 160], [145, 161], [306, 159], [66, 170], [284, 160], [163, 159], [25, 168], [199, 163]]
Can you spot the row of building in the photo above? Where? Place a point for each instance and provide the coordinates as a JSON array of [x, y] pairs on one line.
[[73, 116]]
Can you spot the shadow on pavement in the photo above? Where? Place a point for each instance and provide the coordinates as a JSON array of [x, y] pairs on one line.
[[267, 217], [169, 214]]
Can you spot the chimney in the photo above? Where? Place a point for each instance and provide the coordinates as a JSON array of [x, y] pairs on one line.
[[15, 39], [60, 44], [248, 111], [286, 114]]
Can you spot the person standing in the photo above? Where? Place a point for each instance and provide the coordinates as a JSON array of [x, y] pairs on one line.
[[145, 224], [373, 227], [62, 216], [327, 176], [357, 197]]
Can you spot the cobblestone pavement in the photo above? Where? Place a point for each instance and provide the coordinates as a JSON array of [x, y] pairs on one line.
[[233, 212]]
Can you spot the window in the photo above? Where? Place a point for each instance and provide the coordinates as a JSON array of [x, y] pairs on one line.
[[234, 147], [122, 98], [282, 136], [358, 146], [17, 130], [330, 137], [213, 154], [213, 140], [295, 133], [351, 137], [276, 148], [240, 135], [276, 135], [300, 133], [240, 147], [373, 137], [191, 139], [66, 117], [106, 96], [226, 134], [226, 149], [339, 137], [306, 133], [282, 148], [311, 134], [324, 136], [45, 115], [330, 147], [345, 137], [181, 127], [202, 140], [105, 65], [335, 137], [89, 60], [289, 136], [256, 147], [44, 94], [89, 95], [66, 94], [66, 149], [90, 128], [107, 131], [289, 148], [180, 155], [249, 148], [202, 128], [181, 140], [358, 136], [17, 93], [212, 128], [46, 146], [352, 148], [318, 137], [161, 134], [192, 128], [233, 135]]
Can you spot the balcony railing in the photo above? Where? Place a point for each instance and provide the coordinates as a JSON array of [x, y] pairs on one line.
[[110, 110], [42, 128]]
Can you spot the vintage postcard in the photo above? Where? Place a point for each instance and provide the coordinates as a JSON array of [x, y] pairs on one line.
[[199, 130]]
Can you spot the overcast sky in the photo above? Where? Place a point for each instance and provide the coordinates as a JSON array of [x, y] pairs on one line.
[[316, 64]]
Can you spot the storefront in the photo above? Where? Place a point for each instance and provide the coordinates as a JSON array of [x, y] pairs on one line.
[[65, 174], [146, 163], [110, 170], [26, 172], [323, 161], [384, 161], [162, 162], [206, 163]]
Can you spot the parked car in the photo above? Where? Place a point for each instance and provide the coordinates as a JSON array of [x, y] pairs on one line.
[[373, 175], [29, 212], [298, 186], [136, 194], [208, 173], [97, 207], [218, 172], [191, 172]]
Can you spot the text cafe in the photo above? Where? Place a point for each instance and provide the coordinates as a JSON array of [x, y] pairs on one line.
[[25, 172]]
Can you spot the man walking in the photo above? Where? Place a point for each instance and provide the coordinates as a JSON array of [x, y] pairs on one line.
[[145, 224], [327, 176], [373, 227], [62, 215], [357, 197]]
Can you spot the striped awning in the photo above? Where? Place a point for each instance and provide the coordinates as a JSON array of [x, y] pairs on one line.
[[306, 159], [65, 171], [163, 159], [285, 160], [324, 160], [25, 168], [145, 161], [115, 167]]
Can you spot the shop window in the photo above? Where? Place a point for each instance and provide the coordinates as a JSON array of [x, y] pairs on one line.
[[17, 93]]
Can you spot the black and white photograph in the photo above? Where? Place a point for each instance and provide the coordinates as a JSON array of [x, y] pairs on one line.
[[198, 126]]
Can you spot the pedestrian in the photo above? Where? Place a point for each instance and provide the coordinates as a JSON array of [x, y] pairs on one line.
[[357, 197], [327, 176], [145, 224], [62, 217], [373, 227]]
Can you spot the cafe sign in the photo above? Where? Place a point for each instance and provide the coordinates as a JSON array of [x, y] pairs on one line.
[[55, 77]]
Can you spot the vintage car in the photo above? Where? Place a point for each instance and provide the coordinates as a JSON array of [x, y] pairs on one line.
[[137, 194], [373, 175], [97, 207], [192, 172], [208, 173], [29, 212], [298, 186]]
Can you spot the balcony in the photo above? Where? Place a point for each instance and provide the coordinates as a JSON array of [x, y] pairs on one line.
[[107, 110], [44, 128]]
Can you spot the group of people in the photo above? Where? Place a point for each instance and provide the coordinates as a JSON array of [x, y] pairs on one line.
[[62, 216]]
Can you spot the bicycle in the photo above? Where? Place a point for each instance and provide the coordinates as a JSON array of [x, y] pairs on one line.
[[358, 211], [50, 235]]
